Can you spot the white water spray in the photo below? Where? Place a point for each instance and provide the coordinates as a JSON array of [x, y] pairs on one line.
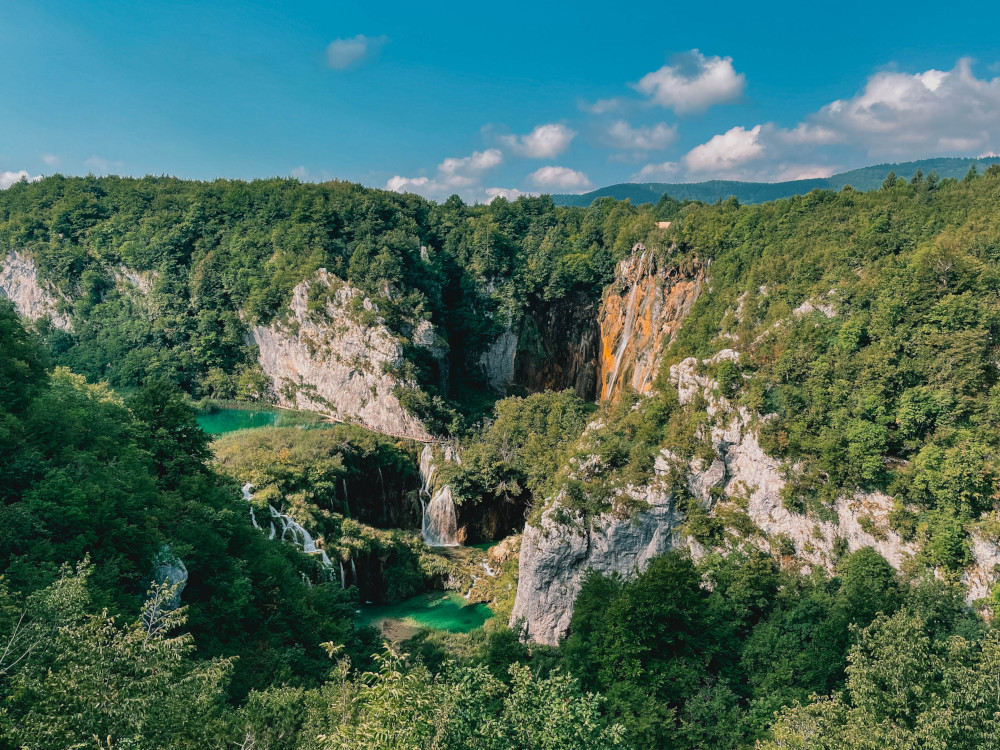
[[291, 530], [439, 524]]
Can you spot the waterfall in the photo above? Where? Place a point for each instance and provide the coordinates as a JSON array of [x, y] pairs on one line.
[[440, 526], [354, 573], [343, 583], [627, 329], [291, 530], [426, 470]]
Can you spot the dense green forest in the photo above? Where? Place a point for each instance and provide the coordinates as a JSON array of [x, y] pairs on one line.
[[220, 256], [886, 381], [257, 657]]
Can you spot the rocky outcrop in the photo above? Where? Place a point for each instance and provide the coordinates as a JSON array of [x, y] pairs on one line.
[[19, 283], [640, 314], [329, 360], [557, 553], [981, 576], [740, 484], [748, 479], [497, 362], [169, 570]]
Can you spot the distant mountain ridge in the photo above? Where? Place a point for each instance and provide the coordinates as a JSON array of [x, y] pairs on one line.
[[865, 178]]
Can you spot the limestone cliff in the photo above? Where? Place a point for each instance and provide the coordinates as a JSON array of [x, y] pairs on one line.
[[557, 553], [749, 480], [639, 315], [329, 360], [19, 283], [740, 484]]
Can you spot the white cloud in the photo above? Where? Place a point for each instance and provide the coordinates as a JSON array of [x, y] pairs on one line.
[[802, 172], [907, 115], [724, 152], [454, 175], [10, 178], [649, 138], [693, 83], [463, 172], [895, 117], [342, 54], [400, 184], [50, 159], [804, 134], [544, 142], [511, 194], [657, 172], [560, 178]]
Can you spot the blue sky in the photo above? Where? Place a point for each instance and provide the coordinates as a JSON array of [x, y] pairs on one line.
[[487, 98]]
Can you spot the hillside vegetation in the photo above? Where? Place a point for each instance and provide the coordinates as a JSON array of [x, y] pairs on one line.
[[865, 330]]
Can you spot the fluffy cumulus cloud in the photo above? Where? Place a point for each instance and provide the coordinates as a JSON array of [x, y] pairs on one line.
[[905, 115], [662, 172], [342, 54], [802, 172], [656, 137], [10, 178], [544, 142], [454, 175], [896, 116], [692, 83], [560, 178], [726, 151]]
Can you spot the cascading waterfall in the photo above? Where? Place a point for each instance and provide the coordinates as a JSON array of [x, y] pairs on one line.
[[439, 524], [630, 312], [343, 581], [291, 530], [354, 573]]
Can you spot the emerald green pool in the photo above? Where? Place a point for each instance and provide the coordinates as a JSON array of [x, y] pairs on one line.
[[436, 610], [231, 419]]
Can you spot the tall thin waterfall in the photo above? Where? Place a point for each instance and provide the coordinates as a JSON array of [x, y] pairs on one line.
[[630, 312], [291, 530], [439, 524]]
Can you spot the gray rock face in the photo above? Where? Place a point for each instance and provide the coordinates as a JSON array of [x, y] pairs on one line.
[[19, 283], [327, 361], [741, 477], [556, 554], [498, 361], [170, 569]]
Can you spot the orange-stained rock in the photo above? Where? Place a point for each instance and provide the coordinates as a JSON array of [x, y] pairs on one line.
[[639, 316]]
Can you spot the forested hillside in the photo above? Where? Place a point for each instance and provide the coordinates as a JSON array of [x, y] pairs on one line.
[[212, 259], [787, 534], [710, 191]]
